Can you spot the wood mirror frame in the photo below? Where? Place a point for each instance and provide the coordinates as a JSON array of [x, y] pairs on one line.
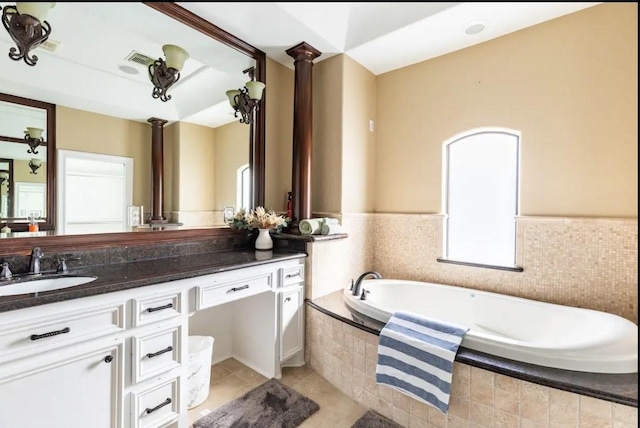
[[50, 144], [22, 245]]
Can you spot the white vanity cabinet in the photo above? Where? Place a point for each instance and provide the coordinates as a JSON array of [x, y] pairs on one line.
[[119, 360], [291, 314], [86, 362]]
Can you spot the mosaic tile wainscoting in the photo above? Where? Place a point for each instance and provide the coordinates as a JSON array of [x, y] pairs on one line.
[[346, 356], [332, 264], [585, 262]]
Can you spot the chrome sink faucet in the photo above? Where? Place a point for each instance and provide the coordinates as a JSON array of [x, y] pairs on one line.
[[356, 287], [36, 257]]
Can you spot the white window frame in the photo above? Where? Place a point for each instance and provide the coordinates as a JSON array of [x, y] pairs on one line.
[[446, 194]]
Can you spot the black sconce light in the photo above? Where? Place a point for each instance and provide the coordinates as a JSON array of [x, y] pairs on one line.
[[34, 138], [163, 74], [246, 100], [4, 178], [34, 164], [26, 25]]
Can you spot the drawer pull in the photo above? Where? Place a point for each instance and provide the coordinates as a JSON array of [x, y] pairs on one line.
[[164, 403], [292, 275], [288, 299], [159, 308], [244, 287], [108, 359], [155, 354], [51, 333]]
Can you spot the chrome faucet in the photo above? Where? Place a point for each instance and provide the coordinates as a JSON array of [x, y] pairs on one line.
[[36, 257], [356, 287]]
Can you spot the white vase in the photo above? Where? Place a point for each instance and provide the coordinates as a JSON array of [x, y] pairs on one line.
[[264, 241]]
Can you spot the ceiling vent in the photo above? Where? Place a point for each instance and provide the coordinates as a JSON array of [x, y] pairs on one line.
[[49, 45], [139, 58]]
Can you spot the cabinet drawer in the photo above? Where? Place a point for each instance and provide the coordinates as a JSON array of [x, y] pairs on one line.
[[157, 406], [156, 308], [61, 330], [292, 275], [208, 296], [156, 353]]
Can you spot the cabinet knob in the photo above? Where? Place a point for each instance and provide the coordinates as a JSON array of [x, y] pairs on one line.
[[108, 359], [287, 299]]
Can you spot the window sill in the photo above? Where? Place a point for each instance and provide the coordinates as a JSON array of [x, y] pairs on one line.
[[507, 268]]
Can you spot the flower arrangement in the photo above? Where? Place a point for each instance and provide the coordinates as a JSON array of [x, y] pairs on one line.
[[258, 218]]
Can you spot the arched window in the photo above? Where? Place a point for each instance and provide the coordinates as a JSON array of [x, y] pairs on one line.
[[243, 188], [480, 197]]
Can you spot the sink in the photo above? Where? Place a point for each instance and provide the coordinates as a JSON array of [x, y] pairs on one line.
[[43, 284]]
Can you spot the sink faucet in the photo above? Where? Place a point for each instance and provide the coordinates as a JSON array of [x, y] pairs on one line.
[[36, 256], [356, 287]]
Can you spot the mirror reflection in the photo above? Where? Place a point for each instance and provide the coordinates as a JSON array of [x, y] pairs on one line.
[[104, 95]]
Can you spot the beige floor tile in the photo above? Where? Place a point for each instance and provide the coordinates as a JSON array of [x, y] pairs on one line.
[[230, 379]]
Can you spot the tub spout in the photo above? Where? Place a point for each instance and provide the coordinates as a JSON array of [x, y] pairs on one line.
[[358, 284]]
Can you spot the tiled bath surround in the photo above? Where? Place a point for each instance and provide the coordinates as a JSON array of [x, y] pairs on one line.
[[584, 262], [346, 356]]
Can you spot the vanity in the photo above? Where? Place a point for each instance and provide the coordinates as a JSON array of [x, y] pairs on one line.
[[114, 352]]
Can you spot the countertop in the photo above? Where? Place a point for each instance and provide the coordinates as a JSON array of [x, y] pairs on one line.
[[124, 276], [618, 388]]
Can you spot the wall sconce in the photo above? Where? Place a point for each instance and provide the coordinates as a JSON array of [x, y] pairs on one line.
[[34, 164], [163, 74], [4, 178], [246, 100], [33, 136], [25, 23]]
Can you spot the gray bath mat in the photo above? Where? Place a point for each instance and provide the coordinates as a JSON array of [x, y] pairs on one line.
[[372, 419], [270, 405]]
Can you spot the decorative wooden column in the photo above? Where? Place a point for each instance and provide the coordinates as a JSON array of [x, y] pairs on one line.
[[303, 55], [157, 167]]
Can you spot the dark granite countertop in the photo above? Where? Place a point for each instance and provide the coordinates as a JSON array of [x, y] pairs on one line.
[[123, 276], [618, 388]]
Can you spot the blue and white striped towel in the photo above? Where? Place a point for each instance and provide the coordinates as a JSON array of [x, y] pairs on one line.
[[415, 355]]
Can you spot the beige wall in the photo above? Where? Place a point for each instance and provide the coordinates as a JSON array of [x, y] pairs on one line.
[[196, 147], [279, 134], [570, 86], [231, 152], [96, 133], [327, 93], [171, 168], [358, 141]]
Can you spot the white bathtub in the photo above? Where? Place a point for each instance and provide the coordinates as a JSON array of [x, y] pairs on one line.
[[510, 327]]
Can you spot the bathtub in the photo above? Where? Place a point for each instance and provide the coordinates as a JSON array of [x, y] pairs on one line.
[[519, 329]]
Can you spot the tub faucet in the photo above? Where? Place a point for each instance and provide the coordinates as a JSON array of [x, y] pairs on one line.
[[36, 257], [356, 287]]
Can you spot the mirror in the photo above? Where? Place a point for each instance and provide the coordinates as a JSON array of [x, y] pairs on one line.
[[25, 163], [100, 86]]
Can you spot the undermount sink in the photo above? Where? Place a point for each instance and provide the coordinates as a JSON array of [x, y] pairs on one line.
[[43, 284]]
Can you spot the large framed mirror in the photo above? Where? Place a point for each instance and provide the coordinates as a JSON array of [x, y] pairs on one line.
[[94, 70]]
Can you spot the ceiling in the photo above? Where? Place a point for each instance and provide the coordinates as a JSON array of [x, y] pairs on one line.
[[381, 36], [93, 40]]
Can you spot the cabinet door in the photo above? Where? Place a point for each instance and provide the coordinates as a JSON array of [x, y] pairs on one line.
[[291, 322], [76, 388]]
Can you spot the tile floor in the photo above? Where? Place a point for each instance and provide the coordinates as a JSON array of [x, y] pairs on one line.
[[230, 379]]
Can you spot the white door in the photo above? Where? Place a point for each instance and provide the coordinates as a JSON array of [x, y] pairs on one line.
[[74, 388], [94, 192], [291, 326]]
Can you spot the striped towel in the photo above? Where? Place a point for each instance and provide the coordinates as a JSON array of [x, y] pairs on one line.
[[415, 356]]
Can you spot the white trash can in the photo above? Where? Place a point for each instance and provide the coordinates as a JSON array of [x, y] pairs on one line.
[[200, 354]]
